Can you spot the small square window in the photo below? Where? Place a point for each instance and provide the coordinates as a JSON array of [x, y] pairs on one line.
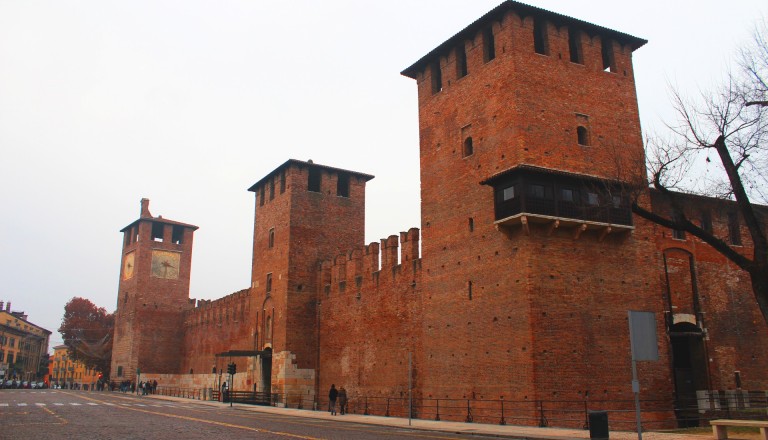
[[566, 195], [508, 193], [592, 199]]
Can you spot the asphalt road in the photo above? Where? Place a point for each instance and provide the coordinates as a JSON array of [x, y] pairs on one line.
[[64, 414]]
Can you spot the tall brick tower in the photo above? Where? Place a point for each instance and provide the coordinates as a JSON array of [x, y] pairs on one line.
[[529, 135], [305, 213], [152, 296]]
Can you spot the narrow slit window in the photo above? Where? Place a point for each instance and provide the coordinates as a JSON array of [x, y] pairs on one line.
[[540, 39], [471, 224], [489, 45], [342, 185], [706, 221], [461, 61], [271, 189], [609, 63], [678, 234], [469, 148], [437, 79], [734, 230], [582, 135], [314, 180], [261, 196], [271, 238], [469, 289], [282, 182], [574, 46], [269, 282]]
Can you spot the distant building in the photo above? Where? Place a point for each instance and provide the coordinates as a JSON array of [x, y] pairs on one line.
[[66, 373], [22, 345]]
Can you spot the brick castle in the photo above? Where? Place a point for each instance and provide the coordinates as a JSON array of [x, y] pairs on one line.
[[530, 255]]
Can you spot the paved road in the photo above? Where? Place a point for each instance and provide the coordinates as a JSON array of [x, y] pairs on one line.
[[60, 414]]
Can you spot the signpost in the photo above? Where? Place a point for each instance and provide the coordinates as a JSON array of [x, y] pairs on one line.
[[642, 341]]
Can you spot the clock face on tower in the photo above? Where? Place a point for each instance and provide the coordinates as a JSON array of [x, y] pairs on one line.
[[165, 264], [128, 266]]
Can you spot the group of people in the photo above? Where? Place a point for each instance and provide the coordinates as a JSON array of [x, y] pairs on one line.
[[147, 387], [143, 389], [341, 396]]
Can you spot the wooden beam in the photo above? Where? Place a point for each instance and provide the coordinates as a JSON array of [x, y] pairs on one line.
[[552, 226], [604, 233], [578, 232]]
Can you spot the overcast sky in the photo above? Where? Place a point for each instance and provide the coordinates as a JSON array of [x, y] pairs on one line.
[[188, 103]]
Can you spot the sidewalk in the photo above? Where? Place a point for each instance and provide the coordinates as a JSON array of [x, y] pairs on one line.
[[506, 431]]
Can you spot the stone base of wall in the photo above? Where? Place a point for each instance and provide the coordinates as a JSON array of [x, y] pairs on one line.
[[294, 386]]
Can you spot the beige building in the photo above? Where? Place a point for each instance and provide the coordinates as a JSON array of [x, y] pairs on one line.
[[22, 346], [67, 373]]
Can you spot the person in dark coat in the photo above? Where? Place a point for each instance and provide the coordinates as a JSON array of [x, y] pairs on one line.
[[342, 401], [332, 395]]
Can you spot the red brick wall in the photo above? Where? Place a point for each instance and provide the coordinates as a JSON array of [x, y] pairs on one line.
[[371, 318]]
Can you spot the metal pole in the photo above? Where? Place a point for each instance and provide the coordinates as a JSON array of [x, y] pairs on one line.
[[410, 395], [636, 390]]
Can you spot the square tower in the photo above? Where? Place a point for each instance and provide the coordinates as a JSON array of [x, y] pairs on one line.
[[153, 295], [529, 136], [305, 213]]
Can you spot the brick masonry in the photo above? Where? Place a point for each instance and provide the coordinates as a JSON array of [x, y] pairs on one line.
[[487, 310]]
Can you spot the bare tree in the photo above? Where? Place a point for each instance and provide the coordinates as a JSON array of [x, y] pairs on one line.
[[727, 127]]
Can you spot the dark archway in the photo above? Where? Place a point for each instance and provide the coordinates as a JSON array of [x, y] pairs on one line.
[[266, 371], [689, 365]]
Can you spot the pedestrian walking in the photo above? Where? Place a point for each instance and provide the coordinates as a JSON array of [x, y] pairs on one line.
[[342, 401], [332, 395]]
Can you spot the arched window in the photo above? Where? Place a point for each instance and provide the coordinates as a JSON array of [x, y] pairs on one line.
[[583, 135], [469, 149]]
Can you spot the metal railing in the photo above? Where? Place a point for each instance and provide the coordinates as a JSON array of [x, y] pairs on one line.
[[655, 414]]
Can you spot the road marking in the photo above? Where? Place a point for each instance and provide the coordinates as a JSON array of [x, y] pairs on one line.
[[59, 404], [3, 404], [213, 422], [40, 404], [75, 404], [21, 404]]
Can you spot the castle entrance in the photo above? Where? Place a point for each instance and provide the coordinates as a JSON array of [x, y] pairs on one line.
[[689, 363], [266, 370]]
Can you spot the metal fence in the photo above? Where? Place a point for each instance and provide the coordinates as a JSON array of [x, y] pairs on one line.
[[655, 414]]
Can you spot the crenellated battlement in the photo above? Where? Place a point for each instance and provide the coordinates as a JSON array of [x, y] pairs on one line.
[[231, 308], [387, 261]]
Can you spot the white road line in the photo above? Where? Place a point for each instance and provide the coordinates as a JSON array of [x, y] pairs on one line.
[[140, 404], [93, 404], [59, 404], [40, 404], [21, 404], [3, 404], [75, 404]]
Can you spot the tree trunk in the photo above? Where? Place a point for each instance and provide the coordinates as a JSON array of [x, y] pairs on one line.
[[760, 288]]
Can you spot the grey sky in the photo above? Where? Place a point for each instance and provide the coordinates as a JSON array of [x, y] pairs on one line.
[[188, 103]]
